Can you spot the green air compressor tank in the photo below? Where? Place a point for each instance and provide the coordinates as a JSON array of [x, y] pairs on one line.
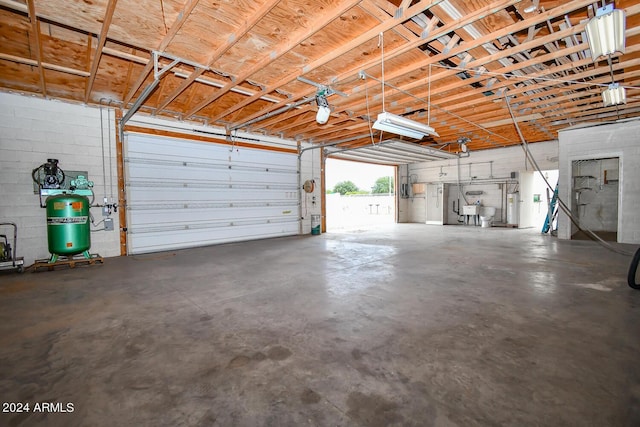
[[68, 231]]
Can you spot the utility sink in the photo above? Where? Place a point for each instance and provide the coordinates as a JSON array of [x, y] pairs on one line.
[[471, 210]]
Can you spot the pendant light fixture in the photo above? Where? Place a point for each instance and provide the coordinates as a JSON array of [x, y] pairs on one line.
[[388, 122], [606, 35]]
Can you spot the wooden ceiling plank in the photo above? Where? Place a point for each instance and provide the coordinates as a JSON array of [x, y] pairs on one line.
[[108, 16], [89, 47], [231, 41], [46, 65], [141, 78], [36, 44], [284, 116], [374, 32], [302, 119], [166, 40], [131, 57], [519, 91], [496, 56], [182, 17], [334, 54], [129, 73], [293, 41], [405, 4], [382, 15], [588, 74], [442, 89]]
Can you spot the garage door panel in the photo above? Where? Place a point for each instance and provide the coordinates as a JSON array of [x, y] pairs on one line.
[[156, 218], [219, 195], [212, 172], [198, 237], [183, 193]]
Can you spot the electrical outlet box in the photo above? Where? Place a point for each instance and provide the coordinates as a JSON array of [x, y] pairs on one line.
[[105, 211], [108, 224]]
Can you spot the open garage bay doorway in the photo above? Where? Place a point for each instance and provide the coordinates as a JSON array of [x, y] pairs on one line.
[[359, 195]]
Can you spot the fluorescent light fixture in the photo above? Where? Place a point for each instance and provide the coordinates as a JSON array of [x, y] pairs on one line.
[[399, 125], [606, 32], [614, 95]]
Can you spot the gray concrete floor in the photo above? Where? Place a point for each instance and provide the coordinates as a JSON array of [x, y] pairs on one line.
[[406, 325]]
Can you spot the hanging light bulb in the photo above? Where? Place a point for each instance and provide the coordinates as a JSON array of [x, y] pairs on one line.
[[324, 111]]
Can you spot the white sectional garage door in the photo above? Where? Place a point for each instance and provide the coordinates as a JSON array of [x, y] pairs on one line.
[[183, 193]]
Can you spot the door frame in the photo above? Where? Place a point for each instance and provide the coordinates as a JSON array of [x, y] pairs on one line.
[[568, 182]]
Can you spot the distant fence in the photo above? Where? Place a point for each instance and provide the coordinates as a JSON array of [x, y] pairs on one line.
[[359, 210]]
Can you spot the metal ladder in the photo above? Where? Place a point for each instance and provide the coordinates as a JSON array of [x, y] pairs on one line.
[[552, 212]]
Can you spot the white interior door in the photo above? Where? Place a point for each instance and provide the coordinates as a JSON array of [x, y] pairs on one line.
[[183, 193], [527, 217], [435, 204]]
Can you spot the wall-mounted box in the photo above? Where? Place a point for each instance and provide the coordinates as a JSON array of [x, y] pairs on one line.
[[611, 176], [418, 188]]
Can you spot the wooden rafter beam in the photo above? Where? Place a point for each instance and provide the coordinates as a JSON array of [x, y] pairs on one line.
[[284, 116], [382, 15], [456, 102], [441, 89], [231, 41], [368, 35], [166, 40], [293, 41], [46, 65], [182, 17], [106, 23], [487, 38], [455, 99], [37, 44]]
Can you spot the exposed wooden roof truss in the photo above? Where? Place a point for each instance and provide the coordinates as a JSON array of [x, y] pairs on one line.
[[247, 65]]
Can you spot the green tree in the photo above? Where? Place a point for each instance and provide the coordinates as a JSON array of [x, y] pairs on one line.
[[383, 185], [345, 187]]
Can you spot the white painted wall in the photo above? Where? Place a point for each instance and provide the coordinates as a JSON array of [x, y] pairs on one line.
[[604, 141], [488, 171], [33, 130]]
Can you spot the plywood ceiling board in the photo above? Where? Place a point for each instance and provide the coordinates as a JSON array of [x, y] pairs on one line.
[[195, 93], [20, 77], [111, 77], [84, 15], [201, 35], [224, 103], [14, 34], [65, 85], [145, 23], [60, 52]]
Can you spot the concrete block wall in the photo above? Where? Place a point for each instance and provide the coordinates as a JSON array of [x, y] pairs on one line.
[[620, 140], [33, 130], [488, 171]]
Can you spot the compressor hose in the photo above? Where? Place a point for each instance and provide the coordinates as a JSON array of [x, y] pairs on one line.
[[632, 278]]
